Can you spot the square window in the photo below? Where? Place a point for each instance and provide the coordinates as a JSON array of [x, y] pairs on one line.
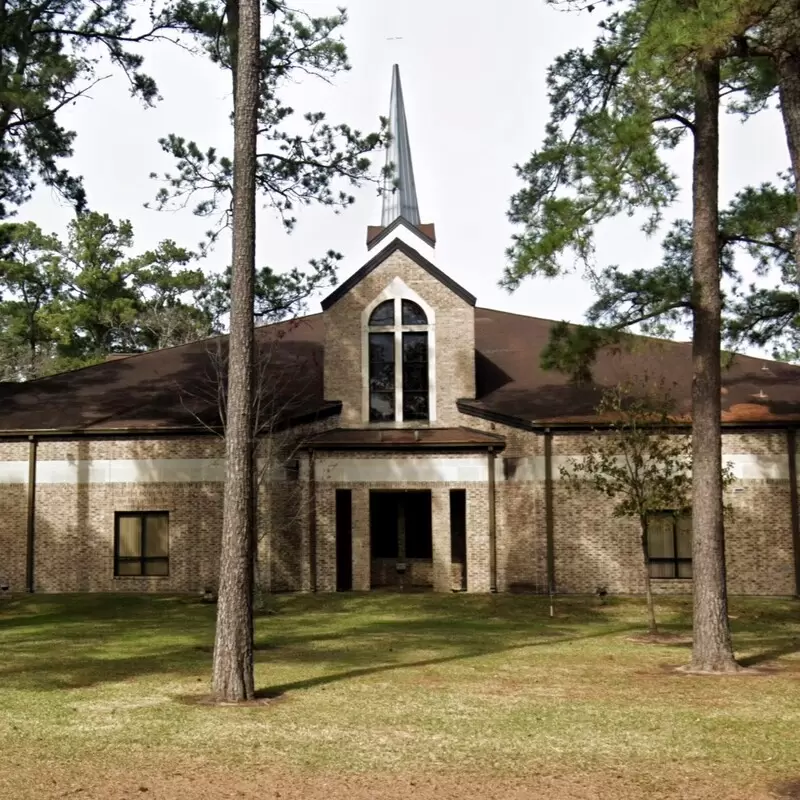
[[381, 406], [415, 405], [141, 543]]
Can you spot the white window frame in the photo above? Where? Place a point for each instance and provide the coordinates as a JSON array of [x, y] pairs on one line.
[[398, 291]]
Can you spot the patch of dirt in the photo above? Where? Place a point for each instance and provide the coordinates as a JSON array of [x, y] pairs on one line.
[[261, 699], [786, 790], [674, 639], [743, 672], [205, 782]]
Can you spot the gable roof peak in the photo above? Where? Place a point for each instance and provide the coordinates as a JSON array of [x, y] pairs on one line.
[[378, 259]]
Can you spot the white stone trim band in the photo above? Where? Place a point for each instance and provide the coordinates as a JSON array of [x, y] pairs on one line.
[[745, 466], [470, 469], [424, 469], [157, 470]]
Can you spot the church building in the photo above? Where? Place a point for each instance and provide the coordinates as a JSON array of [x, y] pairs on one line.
[[408, 439]]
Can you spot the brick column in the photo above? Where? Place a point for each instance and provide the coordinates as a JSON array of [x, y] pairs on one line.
[[362, 567], [440, 511], [326, 538], [264, 528], [478, 578], [305, 524]]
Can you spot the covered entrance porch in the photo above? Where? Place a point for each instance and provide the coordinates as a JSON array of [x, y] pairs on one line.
[[404, 510]]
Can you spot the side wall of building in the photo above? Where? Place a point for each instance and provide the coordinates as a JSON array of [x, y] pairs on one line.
[[594, 548], [13, 513], [82, 483]]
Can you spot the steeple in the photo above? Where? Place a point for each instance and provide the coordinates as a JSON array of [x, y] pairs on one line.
[[400, 193]]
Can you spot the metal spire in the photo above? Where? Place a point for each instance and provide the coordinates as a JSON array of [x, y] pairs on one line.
[[400, 193]]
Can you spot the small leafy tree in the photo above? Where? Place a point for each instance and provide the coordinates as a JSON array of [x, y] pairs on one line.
[[640, 463]]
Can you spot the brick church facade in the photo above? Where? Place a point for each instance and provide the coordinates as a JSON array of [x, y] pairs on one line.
[[408, 439]]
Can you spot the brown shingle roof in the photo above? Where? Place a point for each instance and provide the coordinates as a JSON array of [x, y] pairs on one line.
[[511, 382], [175, 388]]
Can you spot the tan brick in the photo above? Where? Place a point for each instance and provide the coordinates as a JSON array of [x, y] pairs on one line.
[[454, 340]]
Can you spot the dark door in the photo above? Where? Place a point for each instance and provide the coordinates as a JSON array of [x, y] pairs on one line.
[[458, 531], [344, 540]]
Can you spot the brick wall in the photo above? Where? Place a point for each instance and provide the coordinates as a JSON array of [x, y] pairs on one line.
[[75, 522], [83, 449], [13, 519], [13, 534], [593, 548], [758, 538], [75, 535], [454, 340]]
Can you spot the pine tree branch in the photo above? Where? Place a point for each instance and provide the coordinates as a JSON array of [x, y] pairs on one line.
[[50, 112], [685, 121]]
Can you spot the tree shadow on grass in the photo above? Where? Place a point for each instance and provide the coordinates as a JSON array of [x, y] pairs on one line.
[[281, 689], [779, 649], [52, 654], [55, 643]]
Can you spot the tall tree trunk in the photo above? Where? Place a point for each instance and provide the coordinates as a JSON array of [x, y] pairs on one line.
[[233, 648], [789, 92], [711, 650], [648, 588], [232, 32]]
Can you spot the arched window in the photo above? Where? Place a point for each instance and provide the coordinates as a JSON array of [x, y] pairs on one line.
[[399, 384]]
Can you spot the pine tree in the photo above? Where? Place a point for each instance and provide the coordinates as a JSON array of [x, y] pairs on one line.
[[298, 163], [653, 77], [49, 52], [292, 166], [233, 647], [69, 304]]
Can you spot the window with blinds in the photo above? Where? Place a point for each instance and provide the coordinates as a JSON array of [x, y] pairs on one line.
[[141, 544], [669, 544]]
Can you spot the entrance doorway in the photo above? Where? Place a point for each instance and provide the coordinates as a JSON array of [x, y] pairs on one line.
[[401, 539], [458, 537], [344, 540]]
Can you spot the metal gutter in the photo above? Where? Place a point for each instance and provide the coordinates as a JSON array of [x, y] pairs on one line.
[[408, 446], [150, 433], [492, 524], [31, 520], [791, 446], [548, 512], [583, 427]]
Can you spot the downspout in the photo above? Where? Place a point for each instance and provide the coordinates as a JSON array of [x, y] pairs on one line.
[[548, 511], [29, 578], [312, 520], [492, 525], [791, 443]]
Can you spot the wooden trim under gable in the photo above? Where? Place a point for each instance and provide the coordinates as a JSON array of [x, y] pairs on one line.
[[377, 260]]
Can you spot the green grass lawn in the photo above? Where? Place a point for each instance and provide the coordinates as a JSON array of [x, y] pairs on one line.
[[462, 694]]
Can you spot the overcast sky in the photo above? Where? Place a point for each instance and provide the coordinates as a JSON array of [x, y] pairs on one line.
[[474, 84]]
